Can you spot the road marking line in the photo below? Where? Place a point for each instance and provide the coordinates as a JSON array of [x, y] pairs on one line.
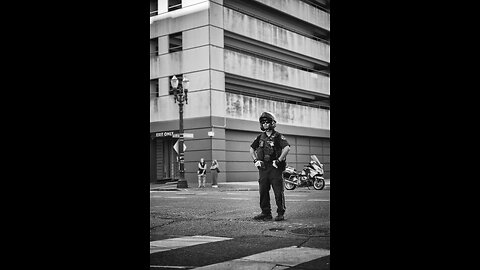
[[174, 243], [283, 257], [175, 197], [245, 199], [317, 200], [293, 200], [296, 195]]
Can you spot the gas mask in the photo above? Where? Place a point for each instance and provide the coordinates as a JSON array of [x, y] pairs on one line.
[[269, 126]]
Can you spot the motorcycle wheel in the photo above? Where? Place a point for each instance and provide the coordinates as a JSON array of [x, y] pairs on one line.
[[319, 183], [290, 186]]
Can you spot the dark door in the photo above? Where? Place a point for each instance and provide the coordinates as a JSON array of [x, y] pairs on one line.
[[153, 160], [165, 162], [169, 161]]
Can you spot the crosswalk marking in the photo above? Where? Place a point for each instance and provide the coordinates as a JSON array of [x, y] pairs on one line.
[[281, 258], [317, 200], [174, 243]]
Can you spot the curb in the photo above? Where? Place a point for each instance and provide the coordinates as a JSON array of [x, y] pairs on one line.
[[220, 188], [165, 189], [240, 189]]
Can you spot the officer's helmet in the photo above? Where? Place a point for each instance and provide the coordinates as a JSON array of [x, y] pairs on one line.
[[269, 117]]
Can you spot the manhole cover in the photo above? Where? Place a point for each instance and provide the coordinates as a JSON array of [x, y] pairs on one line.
[[311, 231], [276, 229]]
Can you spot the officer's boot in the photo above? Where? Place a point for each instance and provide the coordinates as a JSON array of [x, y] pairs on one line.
[[263, 216]]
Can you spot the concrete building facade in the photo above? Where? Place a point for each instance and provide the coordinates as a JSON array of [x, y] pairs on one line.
[[242, 58]]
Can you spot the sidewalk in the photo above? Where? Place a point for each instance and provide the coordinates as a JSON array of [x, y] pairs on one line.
[[227, 186]]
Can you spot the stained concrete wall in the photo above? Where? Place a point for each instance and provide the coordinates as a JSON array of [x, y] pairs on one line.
[[203, 66], [180, 62], [249, 108], [301, 10], [164, 109], [179, 20], [264, 70], [251, 27], [200, 104]]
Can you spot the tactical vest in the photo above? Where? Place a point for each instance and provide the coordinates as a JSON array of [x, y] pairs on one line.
[[266, 152]]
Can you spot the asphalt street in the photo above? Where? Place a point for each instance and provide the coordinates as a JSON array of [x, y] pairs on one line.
[[226, 237]]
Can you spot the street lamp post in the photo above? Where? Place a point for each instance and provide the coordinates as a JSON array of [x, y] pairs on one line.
[[180, 93]]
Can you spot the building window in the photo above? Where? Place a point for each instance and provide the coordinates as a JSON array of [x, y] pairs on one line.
[[175, 42], [154, 47], [153, 7], [154, 88], [174, 5]]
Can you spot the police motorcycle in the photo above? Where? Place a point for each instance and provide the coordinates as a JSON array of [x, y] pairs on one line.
[[311, 175]]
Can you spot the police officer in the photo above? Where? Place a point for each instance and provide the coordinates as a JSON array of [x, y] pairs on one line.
[[269, 152]]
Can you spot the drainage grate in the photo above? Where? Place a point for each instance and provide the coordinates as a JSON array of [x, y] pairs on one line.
[[312, 231]]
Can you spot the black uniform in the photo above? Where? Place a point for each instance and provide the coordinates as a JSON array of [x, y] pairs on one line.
[[269, 149]]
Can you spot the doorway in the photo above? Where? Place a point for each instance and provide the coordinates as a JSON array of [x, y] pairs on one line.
[[166, 159]]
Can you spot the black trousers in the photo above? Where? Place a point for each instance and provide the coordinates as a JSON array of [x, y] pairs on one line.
[[271, 176]]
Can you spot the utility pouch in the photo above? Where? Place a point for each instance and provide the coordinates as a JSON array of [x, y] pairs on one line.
[[262, 166]]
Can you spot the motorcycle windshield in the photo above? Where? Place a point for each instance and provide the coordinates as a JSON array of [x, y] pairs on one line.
[[317, 165], [318, 169], [314, 158]]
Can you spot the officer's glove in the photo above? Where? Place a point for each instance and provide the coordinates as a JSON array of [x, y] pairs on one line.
[[274, 163], [258, 163]]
